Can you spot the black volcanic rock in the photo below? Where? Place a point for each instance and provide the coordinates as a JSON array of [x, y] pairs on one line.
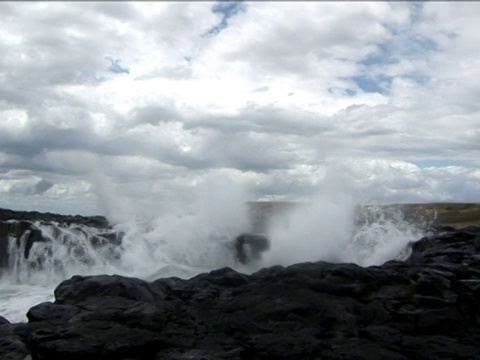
[[3, 321], [427, 307], [93, 221], [248, 247], [16, 230], [13, 225]]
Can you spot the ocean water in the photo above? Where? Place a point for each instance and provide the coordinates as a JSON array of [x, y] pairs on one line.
[[187, 242]]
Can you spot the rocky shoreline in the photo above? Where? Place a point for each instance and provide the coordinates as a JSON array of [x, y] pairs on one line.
[[427, 307], [24, 228], [93, 221]]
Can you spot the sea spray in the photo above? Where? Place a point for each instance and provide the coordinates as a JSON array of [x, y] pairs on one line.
[[198, 237], [331, 229], [335, 229], [317, 230], [65, 250], [382, 234]]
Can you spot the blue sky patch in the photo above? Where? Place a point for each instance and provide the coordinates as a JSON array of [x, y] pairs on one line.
[[115, 66], [227, 9], [374, 76], [379, 84], [383, 55], [440, 163], [350, 92]]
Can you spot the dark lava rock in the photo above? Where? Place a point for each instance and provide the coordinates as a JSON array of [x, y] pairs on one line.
[[93, 221], [427, 307], [3, 321], [17, 230], [248, 247]]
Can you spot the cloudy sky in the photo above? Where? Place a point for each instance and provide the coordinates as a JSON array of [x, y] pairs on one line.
[[145, 101]]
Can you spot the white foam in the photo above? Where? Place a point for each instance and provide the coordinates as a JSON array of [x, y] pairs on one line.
[[16, 299], [316, 231], [197, 238]]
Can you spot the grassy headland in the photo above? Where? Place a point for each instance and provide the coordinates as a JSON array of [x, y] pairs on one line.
[[448, 214]]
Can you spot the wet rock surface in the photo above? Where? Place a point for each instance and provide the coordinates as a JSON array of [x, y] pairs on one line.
[[427, 307], [94, 221], [249, 247], [24, 229], [77, 237]]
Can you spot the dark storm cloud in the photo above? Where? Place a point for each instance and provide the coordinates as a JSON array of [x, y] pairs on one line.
[[154, 115], [42, 186], [267, 120], [41, 137], [248, 151], [34, 165], [123, 11]]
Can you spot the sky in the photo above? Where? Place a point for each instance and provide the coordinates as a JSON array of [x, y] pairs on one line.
[[137, 104]]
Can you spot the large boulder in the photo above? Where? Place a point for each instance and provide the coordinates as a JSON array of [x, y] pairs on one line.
[[248, 247]]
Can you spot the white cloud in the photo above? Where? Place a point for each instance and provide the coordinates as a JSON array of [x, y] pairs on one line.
[[284, 96]]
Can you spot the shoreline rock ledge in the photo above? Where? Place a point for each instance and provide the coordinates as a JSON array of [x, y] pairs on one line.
[[427, 307]]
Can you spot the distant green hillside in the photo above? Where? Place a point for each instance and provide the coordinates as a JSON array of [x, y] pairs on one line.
[[452, 214]]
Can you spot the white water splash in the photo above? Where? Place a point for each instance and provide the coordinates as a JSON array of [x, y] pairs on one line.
[[320, 230], [198, 238], [383, 234], [329, 229]]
